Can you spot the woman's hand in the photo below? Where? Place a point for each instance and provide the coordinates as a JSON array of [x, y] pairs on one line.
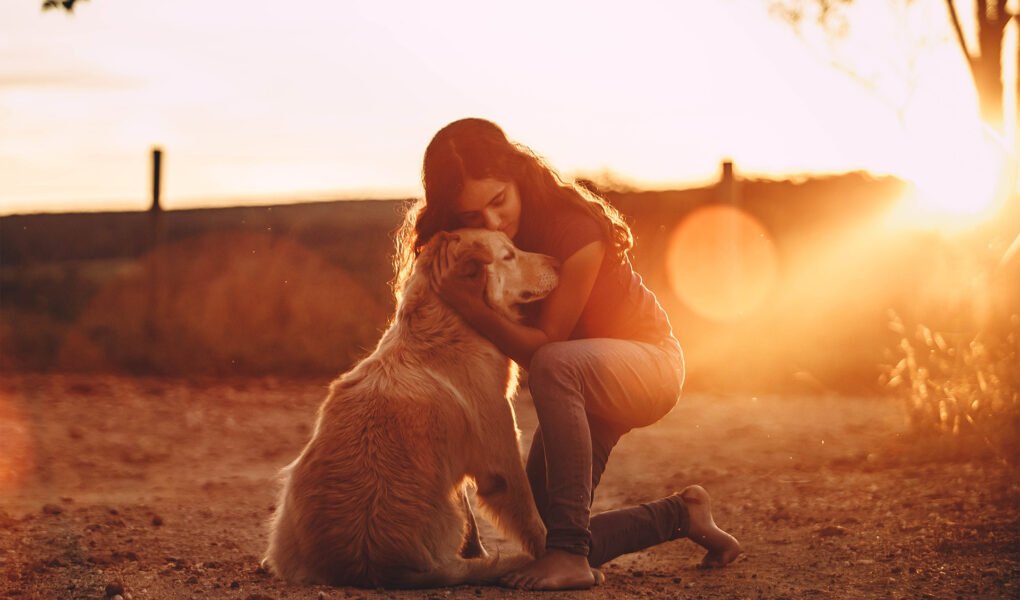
[[460, 283]]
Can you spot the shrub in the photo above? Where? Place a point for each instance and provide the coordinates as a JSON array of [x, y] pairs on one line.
[[961, 388]]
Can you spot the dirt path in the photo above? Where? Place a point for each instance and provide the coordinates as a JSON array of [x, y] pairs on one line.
[[164, 487]]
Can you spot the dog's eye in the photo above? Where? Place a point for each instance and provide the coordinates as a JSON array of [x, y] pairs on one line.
[[510, 256]]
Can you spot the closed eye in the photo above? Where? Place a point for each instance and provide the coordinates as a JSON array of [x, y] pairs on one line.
[[472, 219], [510, 256]]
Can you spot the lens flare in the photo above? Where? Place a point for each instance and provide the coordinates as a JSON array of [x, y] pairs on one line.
[[721, 263]]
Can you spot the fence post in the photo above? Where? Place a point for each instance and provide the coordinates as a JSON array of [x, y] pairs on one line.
[[155, 259], [157, 159]]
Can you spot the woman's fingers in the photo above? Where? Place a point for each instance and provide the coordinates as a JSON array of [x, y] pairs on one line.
[[441, 266]]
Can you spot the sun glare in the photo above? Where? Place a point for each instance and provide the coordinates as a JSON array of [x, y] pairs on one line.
[[956, 182]]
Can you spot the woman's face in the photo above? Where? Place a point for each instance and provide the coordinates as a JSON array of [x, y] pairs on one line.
[[490, 203]]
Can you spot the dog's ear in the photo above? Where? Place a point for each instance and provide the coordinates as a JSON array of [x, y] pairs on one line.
[[441, 240], [471, 260], [438, 245]]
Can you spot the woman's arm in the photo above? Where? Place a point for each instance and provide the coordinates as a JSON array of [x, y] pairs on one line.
[[559, 315]]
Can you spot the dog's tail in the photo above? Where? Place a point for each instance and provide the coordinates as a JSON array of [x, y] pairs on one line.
[[459, 571]]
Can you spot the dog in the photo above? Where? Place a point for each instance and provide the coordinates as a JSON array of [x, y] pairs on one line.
[[378, 497]]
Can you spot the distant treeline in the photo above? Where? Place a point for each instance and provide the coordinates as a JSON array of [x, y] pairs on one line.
[[302, 289]]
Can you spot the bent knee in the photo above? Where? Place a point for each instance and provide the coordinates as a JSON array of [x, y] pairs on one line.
[[548, 363]]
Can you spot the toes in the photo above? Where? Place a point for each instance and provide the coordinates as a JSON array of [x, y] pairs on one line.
[[510, 580]]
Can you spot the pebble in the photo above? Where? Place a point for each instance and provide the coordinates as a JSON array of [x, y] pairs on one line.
[[831, 530], [157, 520], [114, 588], [51, 509]]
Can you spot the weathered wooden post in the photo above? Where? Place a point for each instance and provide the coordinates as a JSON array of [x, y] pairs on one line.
[[155, 259], [157, 159]]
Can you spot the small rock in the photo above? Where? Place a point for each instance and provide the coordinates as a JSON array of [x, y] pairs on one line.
[[831, 530], [637, 574], [114, 588], [235, 584], [157, 520], [51, 509]]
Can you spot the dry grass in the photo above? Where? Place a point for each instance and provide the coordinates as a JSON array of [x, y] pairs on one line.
[[964, 389], [228, 303]]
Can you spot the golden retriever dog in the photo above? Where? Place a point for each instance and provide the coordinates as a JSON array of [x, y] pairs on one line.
[[378, 497]]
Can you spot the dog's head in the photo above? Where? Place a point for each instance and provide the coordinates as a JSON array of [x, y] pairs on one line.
[[514, 277]]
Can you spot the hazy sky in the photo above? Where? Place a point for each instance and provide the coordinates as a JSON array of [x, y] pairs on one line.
[[269, 101]]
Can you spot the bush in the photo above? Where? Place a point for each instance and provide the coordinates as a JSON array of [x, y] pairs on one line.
[[962, 388]]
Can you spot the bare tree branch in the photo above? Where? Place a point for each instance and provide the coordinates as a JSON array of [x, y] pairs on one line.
[[957, 28], [67, 5]]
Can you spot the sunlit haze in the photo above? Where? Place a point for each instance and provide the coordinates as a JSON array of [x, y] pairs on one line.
[[264, 102]]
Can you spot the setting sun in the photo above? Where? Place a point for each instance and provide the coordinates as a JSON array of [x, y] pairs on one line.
[[955, 183]]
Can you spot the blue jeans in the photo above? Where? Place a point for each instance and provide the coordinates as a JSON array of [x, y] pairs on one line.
[[587, 394]]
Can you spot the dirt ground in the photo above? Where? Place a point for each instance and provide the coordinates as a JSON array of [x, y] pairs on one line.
[[156, 488]]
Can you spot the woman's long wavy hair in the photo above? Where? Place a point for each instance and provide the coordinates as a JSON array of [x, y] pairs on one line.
[[478, 149]]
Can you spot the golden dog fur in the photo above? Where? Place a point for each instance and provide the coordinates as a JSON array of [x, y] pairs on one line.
[[377, 498]]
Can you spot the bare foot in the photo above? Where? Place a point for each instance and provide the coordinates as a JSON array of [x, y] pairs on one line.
[[722, 547], [556, 570]]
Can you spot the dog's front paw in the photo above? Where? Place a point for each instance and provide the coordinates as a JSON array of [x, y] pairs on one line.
[[534, 543]]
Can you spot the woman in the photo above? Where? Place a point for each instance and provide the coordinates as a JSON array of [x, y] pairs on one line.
[[600, 353]]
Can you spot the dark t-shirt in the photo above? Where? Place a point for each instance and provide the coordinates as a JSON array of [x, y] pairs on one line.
[[619, 306]]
